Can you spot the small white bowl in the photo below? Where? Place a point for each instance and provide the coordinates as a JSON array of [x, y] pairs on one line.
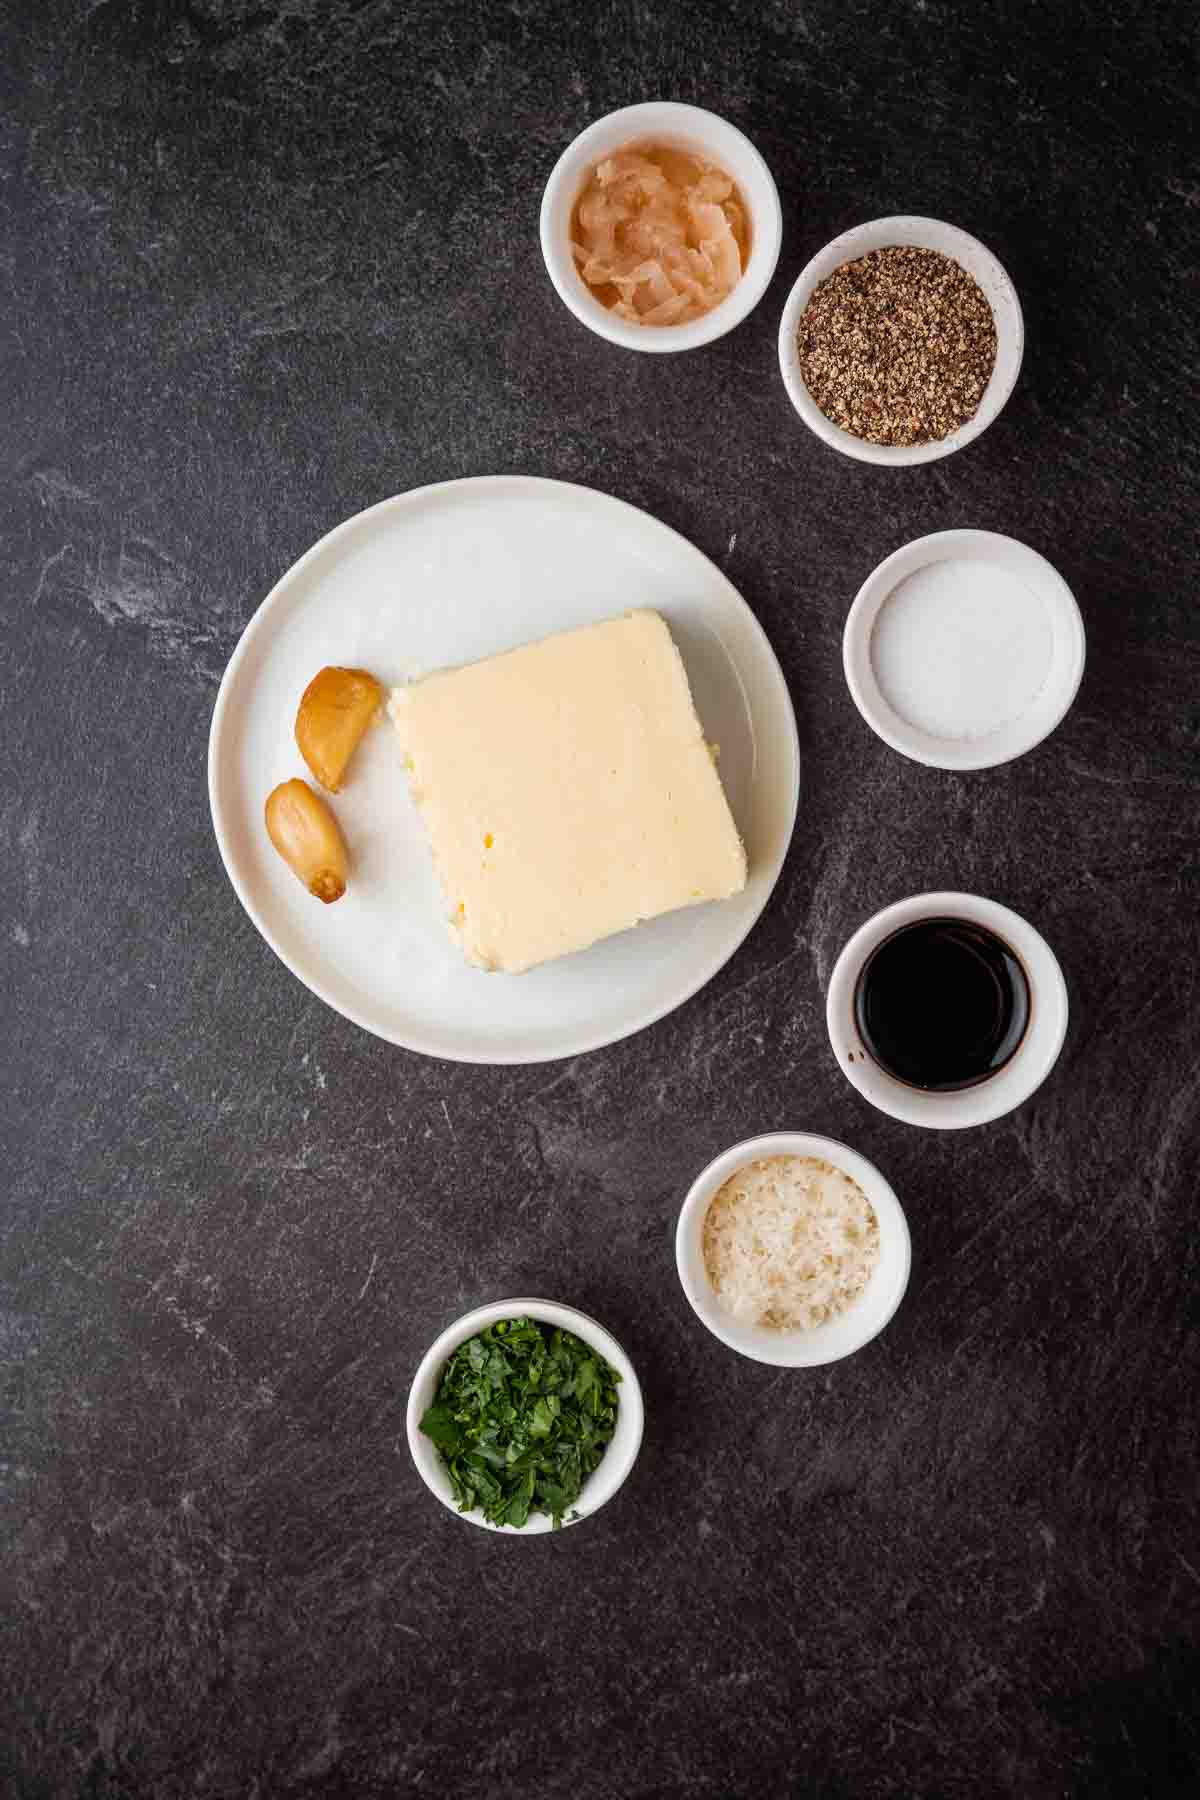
[[620, 1454], [1035, 1056], [685, 128], [983, 661], [925, 234], [824, 1343]]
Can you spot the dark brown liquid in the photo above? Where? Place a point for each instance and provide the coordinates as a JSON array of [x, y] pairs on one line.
[[942, 1004]]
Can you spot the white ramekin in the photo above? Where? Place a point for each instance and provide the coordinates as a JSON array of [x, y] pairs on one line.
[[824, 1343], [620, 1454], [1036, 1054], [925, 234], [1049, 706], [688, 128]]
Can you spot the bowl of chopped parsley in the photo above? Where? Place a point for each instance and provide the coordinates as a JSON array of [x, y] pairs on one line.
[[525, 1416]]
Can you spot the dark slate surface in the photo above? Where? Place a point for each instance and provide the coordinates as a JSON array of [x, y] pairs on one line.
[[266, 261]]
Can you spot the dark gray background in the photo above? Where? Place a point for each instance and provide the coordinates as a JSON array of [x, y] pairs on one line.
[[264, 263]]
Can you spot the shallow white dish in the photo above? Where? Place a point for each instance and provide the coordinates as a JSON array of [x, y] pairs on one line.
[[444, 575], [964, 649], [620, 1454], [825, 1343], [969, 254], [686, 127], [1035, 1056]]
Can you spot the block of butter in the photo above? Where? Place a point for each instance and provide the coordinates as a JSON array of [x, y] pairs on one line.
[[567, 791]]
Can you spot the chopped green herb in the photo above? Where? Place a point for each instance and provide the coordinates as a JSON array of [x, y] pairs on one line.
[[522, 1416]]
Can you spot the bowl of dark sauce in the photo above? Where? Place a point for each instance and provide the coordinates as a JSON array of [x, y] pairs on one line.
[[947, 1010], [942, 1004]]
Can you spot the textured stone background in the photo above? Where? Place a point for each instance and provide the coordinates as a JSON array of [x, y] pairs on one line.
[[266, 261]]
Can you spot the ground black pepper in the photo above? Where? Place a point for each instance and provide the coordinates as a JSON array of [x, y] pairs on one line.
[[898, 347]]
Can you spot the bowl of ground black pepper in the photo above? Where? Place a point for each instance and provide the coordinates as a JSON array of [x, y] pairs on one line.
[[901, 341]]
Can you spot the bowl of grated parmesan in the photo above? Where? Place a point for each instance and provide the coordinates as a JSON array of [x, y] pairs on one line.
[[793, 1249]]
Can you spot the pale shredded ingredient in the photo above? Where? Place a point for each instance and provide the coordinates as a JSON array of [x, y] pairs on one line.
[[659, 236], [789, 1242]]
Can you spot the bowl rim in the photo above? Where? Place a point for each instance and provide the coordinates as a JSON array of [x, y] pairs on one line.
[[953, 241], [789, 1350], [1002, 1093], [620, 1454], [685, 122], [1005, 743]]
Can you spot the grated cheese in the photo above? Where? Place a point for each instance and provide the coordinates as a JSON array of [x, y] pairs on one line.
[[789, 1242]]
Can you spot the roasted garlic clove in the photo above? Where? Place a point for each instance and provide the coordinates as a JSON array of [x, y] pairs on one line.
[[306, 835], [335, 710]]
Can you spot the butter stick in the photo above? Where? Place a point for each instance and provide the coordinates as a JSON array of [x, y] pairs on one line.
[[567, 791]]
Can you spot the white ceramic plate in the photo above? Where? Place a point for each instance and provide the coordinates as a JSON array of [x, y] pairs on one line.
[[444, 575]]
